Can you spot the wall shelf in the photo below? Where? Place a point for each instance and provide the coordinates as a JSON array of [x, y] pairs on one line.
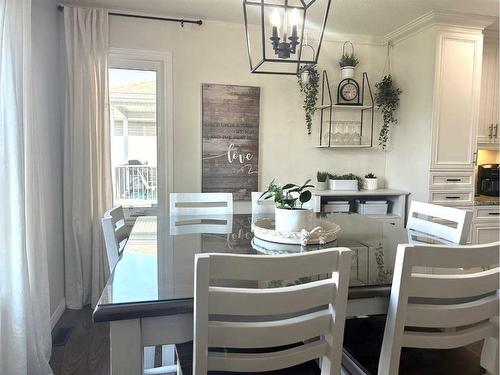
[[360, 134]]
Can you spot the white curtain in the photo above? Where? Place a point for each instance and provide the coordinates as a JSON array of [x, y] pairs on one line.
[[25, 341], [87, 160]]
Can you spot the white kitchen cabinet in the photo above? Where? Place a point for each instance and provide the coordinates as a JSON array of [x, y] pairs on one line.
[[485, 233], [488, 114], [486, 224], [456, 100]]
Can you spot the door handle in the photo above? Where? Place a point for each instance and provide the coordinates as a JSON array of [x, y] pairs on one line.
[[494, 213], [496, 131], [452, 197], [474, 158], [491, 131], [453, 179]]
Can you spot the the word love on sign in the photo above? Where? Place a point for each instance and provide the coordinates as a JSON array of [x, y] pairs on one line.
[[230, 132]]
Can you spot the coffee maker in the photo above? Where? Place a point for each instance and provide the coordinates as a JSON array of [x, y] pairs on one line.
[[487, 179]]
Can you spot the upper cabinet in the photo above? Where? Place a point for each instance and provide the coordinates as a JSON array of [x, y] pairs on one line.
[[455, 111], [487, 131]]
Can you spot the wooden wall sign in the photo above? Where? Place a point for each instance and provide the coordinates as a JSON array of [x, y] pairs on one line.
[[230, 139]]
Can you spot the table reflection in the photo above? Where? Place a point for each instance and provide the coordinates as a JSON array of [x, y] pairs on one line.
[[158, 261]]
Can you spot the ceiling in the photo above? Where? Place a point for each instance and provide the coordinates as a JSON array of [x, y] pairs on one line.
[[370, 17]]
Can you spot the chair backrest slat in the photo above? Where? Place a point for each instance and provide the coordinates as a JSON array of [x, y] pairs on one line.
[[269, 333], [241, 318], [449, 286], [460, 291], [426, 217], [201, 204], [115, 233], [272, 301], [201, 224], [258, 362], [448, 339], [455, 315], [278, 267]]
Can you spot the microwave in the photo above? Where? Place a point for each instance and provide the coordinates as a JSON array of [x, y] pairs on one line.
[[487, 179]]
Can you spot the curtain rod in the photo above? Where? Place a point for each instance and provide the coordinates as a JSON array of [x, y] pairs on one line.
[[182, 21]]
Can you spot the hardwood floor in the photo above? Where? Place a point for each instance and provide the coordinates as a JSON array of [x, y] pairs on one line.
[[81, 347]]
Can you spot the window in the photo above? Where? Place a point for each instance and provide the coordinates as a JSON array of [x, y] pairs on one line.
[[132, 104], [140, 124]]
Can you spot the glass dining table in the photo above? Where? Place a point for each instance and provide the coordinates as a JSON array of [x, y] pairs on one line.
[[148, 298]]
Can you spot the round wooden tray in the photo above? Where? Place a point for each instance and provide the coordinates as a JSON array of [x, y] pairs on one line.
[[324, 231]]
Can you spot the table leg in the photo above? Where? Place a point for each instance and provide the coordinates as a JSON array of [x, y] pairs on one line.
[[126, 347]]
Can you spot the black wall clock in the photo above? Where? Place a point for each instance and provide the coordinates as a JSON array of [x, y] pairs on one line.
[[348, 92]]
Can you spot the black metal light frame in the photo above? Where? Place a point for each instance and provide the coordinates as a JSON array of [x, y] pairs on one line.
[[300, 63]]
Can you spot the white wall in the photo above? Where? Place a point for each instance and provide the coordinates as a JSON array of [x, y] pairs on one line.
[[216, 53], [408, 162], [47, 79]]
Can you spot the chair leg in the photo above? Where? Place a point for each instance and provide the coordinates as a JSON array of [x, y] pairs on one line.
[[489, 356], [149, 357], [167, 355]]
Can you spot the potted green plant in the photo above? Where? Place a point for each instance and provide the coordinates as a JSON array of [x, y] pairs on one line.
[[348, 62], [370, 182], [387, 100], [290, 216], [322, 178], [308, 79], [344, 182]]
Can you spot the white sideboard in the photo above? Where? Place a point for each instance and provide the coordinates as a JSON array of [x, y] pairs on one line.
[[396, 199]]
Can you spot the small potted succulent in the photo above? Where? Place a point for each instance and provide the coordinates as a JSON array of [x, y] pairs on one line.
[[290, 216], [322, 178], [348, 62], [370, 182], [344, 182]]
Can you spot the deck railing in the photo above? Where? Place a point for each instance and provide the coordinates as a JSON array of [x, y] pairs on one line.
[[135, 182]]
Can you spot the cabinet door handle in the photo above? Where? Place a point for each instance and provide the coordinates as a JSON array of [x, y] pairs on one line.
[[474, 158], [453, 179], [496, 131], [491, 131], [494, 213], [452, 197]]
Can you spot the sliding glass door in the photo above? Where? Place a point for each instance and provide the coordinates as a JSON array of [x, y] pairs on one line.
[[138, 105]]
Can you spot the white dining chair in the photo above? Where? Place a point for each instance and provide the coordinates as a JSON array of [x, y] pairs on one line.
[[115, 238], [201, 204], [450, 224], [115, 234], [261, 206], [444, 311], [309, 315]]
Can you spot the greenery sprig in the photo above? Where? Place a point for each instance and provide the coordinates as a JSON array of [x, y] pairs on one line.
[[284, 196], [310, 89], [370, 175], [387, 99]]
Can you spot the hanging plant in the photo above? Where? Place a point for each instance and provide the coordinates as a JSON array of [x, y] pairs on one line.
[[308, 80], [387, 99]]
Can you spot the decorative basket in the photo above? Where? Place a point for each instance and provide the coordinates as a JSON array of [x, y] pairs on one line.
[[324, 231]]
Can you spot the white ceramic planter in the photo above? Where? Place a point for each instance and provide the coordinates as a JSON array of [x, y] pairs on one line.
[[347, 72], [293, 220], [322, 185], [370, 183], [343, 184], [304, 76]]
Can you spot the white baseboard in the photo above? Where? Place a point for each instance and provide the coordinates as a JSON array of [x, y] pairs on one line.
[[57, 313]]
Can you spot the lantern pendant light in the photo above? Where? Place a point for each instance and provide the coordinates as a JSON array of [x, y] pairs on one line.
[[275, 31]]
